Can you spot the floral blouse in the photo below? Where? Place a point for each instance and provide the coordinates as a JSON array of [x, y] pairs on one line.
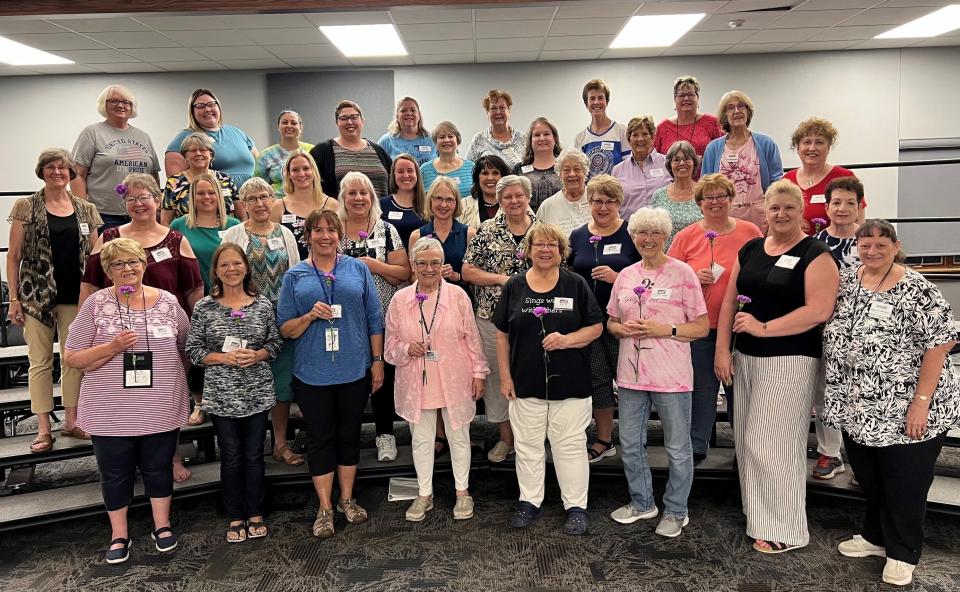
[[176, 193], [873, 347], [494, 250]]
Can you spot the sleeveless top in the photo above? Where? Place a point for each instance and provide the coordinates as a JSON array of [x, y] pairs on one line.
[[296, 227], [455, 247]]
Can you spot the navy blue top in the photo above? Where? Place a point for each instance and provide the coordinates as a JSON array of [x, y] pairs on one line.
[[405, 220], [583, 258], [455, 247], [362, 317]]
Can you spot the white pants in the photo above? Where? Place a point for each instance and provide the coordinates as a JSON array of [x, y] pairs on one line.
[[829, 440], [423, 436], [562, 422]]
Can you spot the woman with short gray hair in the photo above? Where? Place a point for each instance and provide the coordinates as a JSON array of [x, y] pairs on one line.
[[198, 152], [569, 208], [677, 197], [644, 171], [428, 323]]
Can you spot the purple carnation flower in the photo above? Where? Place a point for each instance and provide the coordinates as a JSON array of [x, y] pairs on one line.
[[743, 299], [363, 234], [121, 189], [421, 297], [710, 235], [640, 291], [329, 277], [595, 239], [127, 290], [237, 314], [540, 311], [520, 254]]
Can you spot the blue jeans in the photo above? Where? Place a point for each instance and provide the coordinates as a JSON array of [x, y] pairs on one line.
[[706, 385], [241, 463], [674, 412]]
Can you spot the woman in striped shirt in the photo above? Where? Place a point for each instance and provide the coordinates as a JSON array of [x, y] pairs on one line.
[[128, 340]]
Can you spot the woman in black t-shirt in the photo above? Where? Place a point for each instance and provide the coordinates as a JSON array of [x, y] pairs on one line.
[[781, 291], [546, 319]]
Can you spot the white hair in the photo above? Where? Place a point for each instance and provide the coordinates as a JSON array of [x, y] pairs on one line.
[[426, 243], [511, 180], [650, 219], [358, 177], [572, 154], [120, 90]]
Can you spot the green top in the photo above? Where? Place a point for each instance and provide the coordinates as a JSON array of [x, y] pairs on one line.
[[682, 213], [204, 242]]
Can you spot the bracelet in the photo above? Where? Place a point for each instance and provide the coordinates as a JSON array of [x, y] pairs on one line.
[[764, 330], [12, 300]]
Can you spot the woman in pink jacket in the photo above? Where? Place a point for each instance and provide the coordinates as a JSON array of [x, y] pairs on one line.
[[428, 323]]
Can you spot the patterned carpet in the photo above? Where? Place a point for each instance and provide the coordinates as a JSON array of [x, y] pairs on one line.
[[482, 554]]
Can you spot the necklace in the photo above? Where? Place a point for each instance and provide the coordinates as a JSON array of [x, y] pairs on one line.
[[693, 129]]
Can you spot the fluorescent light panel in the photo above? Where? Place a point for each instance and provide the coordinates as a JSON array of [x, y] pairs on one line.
[[936, 23], [18, 54], [365, 41], [658, 30]]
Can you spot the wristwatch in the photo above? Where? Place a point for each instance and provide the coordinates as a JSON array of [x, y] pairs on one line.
[[377, 358], [673, 330]]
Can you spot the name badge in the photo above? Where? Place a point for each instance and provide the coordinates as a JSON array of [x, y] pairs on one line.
[[606, 145], [137, 369], [275, 243], [456, 180], [220, 233], [288, 218], [613, 249], [336, 311], [161, 254], [818, 199], [432, 356], [425, 148], [731, 158], [394, 215], [376, 243], [787, 261], [880, 310], [161, 331], [717, 271], [231, 343], [854, 252], [526, 168], [561, 303], [661, 293], [656, 172], [84, 229], [332, 339]]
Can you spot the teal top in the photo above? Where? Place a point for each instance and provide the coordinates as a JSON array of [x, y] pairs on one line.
[[204, 242], [682, 213]]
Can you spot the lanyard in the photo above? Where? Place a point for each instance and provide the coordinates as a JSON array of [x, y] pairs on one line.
[[323, 281], [146, 329], [423, 321]]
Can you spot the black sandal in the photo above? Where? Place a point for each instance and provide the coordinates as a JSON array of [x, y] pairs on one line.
[[608, 450], [239, 530], [773, 547], [444, 446], [254, 525]]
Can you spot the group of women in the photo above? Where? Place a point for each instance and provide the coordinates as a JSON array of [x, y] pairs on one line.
[[552, 285]]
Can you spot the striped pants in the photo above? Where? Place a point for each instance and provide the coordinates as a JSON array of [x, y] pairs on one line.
[[770, 428]]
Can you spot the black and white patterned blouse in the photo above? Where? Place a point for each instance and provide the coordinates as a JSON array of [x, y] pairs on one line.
[[229, 391], [383, 240], [873, 360], [844, 250], [494, 249]]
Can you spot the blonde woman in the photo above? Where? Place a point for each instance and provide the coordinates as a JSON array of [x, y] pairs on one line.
[[302, 195], [407, 134]]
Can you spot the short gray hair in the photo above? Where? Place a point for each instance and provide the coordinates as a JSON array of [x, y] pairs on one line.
[[511, 180], [572, 154], [687, 149], [426, 243], [254, 184], [120, 90], [650, 219], [197, 139]]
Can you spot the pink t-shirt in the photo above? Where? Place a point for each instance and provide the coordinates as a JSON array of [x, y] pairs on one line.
[[742, 167], [815, 199], [432, 396], [674, 297], [691, 247]]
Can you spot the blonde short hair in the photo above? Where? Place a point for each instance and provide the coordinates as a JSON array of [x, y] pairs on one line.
[[365, 182], [785, 187], [443, 181], [607, 185], [143, 181], [650, 219], [729, 98], [814, 126], [121, 247], [686, 80], [712, 182], [116, 89], [549, 232]]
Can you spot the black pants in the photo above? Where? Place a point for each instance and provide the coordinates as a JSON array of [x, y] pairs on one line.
[[384, 409], [333, 415], [119, 457], [895, 480], [241, 463]]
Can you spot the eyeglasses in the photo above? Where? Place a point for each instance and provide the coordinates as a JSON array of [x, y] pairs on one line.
[[686, 95], [124, 102], [545, 246], [603, 203], [498, 108], [132, 264], [444, 200], [197, 150], [680, 159], [131, 199], [252, 199], [351, 118], [649, 234], [209, 105], [730, 108], [427, 264], [715, 198]]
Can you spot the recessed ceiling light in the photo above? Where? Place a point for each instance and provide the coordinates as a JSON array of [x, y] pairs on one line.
[[364, 41], [657, 30], [18, 54], [936, 23]]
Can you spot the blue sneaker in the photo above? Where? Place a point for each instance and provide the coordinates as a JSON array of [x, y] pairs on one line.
[[525, 515], [164, 544], [576, 524]]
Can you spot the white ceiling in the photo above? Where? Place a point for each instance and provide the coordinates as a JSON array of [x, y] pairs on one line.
[[561, 30]]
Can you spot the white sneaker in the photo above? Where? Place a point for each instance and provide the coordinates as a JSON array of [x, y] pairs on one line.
[[860, 547], [500, 452], [671, 526], [898, 573], [629, 514], [418, 509], [386, 448], [463, 508]]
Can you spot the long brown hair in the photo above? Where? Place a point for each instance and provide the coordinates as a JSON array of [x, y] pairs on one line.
[[216, 286]]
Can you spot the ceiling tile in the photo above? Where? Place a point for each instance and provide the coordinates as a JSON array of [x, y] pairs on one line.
[[937, 42], [514, 44], [888, 16], [254, 64], [313, 50], [96, 56], [782, 35], [635, 52], [503, 29], [405, 16], [316, 62], [184, 23], [126, 67], [21, 26], [211, 38], [454, 58], [56, 41], [440, 47], [909, 3], [100, 25], [705, 50], [835, 4], [759, 48], [515, 14], [714, 37], [348, 18], [842, 33], [132, 40], [165, 54], [63, 69], [751, 20], [571, 54], [265, 21], [822, 45], [881, 43], [188, 66], [592, 8], [820, 18], [519, 56], [436, 31], [383, 61], [240, 52], [587, 26], [682, 7], [579, 42], [743, 5], [296, 36]]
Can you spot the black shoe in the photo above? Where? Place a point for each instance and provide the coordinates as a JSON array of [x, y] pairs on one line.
[[118, 555], [698, 457], [576, 522], [525, 515]]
